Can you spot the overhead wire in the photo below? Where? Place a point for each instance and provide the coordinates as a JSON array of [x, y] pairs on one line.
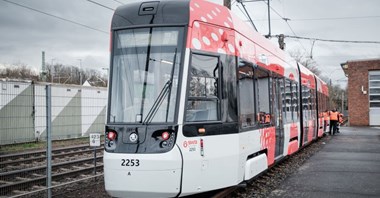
[[290, 27], [323, 19], [237, 5], [57, 17], [336, 18], [99, 4], [331, 40], [249, 17], [119, 2]]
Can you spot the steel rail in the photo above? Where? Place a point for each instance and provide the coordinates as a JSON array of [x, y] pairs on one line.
[[41, 152], [28, 183], [17, 173], [43, 158]]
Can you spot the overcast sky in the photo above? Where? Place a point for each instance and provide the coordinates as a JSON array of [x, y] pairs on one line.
[[24, 33]]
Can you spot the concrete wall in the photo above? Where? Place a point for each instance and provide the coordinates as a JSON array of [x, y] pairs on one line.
[[16, 112], [76, 111]]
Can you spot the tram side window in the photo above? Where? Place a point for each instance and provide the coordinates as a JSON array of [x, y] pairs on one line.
[[306, 103], [246, 95], [281, 85], [313, 104], [262, 80], [203, 95], [288, 101], [321, 107], [295, 101]]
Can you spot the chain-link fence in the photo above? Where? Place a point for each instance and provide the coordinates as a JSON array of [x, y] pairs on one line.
[[30, 160]]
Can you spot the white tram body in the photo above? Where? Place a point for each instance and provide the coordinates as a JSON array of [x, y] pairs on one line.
[[200, 101]]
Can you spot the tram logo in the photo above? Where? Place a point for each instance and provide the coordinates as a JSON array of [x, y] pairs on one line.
[[133, 137], [189, 143]]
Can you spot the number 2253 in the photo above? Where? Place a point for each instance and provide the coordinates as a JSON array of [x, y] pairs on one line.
[[130, 162]]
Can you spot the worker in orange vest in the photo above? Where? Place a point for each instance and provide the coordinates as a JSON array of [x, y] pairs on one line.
[[340, 121], [267, 118], [333, 121], [325, 119]]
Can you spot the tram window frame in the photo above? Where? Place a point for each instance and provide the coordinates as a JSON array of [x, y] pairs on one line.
[[295, 101], [280, 84], [305, 101], [321, 104], [198, 114], [313, 103], [288, 102], [264, 118], [249, 120]]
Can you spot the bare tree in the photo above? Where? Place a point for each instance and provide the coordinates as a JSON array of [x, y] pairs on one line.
[[305, 60], [335, 91], [95, 78], [18, 71], [65, 74], [335, 94]]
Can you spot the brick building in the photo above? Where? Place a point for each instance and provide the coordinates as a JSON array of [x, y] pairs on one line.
[[363, 91]]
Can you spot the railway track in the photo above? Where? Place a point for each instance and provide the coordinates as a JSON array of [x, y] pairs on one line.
[[25, 172], [17, 161], [264, 183], [269, 180]]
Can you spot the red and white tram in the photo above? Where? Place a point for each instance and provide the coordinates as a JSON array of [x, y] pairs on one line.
[[200, 101]]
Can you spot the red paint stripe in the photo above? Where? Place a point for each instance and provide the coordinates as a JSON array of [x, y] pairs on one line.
[[293, 147]]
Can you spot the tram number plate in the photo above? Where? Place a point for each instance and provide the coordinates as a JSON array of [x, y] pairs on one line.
[[130, 162]]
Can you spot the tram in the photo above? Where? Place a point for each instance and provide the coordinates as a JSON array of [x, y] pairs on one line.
[[199, 101]]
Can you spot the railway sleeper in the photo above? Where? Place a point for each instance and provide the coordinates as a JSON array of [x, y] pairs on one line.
[[43, 168], [27, 184], [19, 192], [42, 153], [24, 162]]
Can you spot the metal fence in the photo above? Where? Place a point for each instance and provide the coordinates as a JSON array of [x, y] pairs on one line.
[[35, 115], [76, 111]]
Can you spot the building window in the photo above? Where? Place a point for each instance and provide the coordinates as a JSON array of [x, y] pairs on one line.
[[374, 89]]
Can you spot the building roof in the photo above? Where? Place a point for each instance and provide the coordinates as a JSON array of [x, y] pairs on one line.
[[345, 65]]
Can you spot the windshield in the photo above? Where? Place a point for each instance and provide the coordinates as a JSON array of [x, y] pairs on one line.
[[144, 79]]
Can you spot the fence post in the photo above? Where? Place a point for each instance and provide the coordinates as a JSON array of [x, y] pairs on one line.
[[48, 141]]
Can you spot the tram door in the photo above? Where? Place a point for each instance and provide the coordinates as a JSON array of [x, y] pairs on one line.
[[278, 100]]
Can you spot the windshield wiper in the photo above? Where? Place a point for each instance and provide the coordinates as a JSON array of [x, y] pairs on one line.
[[164, 91]]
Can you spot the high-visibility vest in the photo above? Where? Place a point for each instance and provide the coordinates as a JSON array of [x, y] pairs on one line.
[[341, 118], [334, 115], [267, 118], [325, 115]]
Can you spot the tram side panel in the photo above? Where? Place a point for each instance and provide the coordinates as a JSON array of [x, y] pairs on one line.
[[210, 141]]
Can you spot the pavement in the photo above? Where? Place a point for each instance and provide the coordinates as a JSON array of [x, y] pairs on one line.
[[348, 165]]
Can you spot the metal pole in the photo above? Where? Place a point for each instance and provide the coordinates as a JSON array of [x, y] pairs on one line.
[[342, 102], [269, 34], [95, 161], [80, 72], [51, 71], [227, 3], [249, 17], [48, 142]]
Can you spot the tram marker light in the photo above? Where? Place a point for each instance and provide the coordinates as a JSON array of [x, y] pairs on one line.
[[111, 135], [165, 135], [201, 130]]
